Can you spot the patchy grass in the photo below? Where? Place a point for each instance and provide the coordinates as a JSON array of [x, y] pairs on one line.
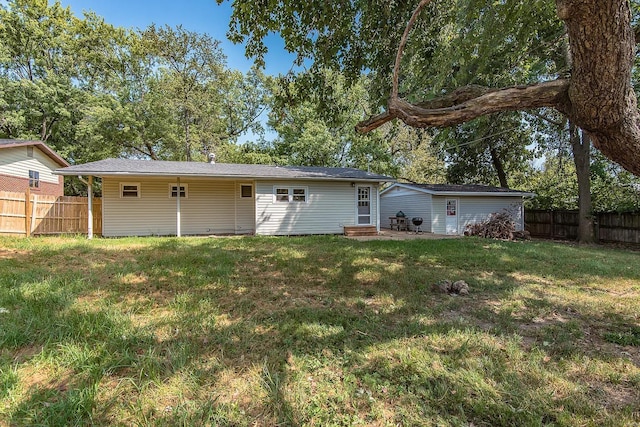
[[316, 331]]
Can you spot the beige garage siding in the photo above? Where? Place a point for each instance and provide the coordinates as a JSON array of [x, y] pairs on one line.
[[15, 162], [330, 207], [208, 209], [412, 203], [477, 209], [472, 210], [438, 217]]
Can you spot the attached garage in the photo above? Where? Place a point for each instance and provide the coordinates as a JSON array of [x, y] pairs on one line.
[[448, 208]]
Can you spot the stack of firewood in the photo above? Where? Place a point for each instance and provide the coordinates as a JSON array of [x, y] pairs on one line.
[[499, 225]]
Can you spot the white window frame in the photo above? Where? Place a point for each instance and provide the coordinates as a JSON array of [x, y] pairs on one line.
[[136, 184], [173, 185], [290, 193], [34, 178]]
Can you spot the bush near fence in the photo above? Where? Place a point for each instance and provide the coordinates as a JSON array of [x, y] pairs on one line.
[[563, 224], [32, 214]]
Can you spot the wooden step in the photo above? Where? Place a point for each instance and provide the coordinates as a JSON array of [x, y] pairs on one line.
[[361, 230]]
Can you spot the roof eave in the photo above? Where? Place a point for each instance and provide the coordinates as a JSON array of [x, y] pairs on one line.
[[483, 193], [460, 193], [118, 174]]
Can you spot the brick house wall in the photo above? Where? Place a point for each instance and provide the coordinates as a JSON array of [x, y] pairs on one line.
[[16, 184]]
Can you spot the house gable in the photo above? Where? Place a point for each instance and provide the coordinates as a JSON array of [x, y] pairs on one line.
[[27, 166]]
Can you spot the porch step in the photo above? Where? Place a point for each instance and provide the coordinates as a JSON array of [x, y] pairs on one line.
[[361, 230]]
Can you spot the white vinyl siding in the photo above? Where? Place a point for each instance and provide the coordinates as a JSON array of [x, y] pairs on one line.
[[412, 203], [210, 208], [15, 162], [330, 206]]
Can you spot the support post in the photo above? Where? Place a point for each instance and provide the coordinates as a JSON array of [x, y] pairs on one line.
[[377, 187], [90, 208], [27, 212], [178, 231]]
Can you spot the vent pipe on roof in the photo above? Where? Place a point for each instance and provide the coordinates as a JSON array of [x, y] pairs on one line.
[[212, 158]]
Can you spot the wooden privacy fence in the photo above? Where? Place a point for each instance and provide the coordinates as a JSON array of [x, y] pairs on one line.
[[33, 214], [563, 224]]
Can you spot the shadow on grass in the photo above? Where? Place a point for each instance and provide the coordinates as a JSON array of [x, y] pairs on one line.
[[108, 315]]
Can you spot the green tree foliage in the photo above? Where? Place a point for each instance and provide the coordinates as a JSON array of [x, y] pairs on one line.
[[317, 128], [556, 185], [418, 158], [38, 71], [92, 91], [492, 150], [455, 42]]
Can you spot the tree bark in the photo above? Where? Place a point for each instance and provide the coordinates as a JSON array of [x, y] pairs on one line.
[[603, 102], [465, 106], [581, 147], [598, 97], [497, 164]]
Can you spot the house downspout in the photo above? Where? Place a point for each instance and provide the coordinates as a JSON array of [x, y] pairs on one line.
[[178, 230], [89, 205]]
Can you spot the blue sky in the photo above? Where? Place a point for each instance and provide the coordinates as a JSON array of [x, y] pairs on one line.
[[203, 16]]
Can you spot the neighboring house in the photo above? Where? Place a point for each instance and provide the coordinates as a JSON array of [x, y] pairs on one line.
[[448, 209], [140, 197], [30, 165]]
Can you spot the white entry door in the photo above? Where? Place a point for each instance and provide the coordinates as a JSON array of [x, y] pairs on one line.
[[451, 225], [364, 205]]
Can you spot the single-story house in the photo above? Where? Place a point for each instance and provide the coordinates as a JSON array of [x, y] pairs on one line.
[[447, 208], [146, 197], [29, 165]]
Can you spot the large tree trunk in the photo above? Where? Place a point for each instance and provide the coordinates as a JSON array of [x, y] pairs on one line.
[[598, 97], [581, 147], [602, 100], [497, 164]]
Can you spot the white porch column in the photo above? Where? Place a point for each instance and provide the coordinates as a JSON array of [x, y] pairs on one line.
[[90, 208], [178, 231], [378, 208]]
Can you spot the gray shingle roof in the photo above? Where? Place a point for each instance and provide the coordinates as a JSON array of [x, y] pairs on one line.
[[116, 167], [466, 189]]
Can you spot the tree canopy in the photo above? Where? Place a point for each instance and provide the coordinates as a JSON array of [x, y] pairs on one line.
[[92, 90], [465, 59]]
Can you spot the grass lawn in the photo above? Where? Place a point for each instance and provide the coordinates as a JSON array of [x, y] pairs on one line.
[[317, 331]]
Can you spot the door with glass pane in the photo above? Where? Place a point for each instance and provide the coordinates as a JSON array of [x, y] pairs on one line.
[[364, 205], [452, 216]]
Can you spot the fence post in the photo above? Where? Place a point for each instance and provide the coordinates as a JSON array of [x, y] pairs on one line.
[[551, 221], [34, 212], [27, 212]]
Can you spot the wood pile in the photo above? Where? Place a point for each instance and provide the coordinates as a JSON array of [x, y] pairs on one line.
[[499, 225]]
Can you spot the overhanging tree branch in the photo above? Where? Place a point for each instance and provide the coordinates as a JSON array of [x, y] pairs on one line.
[[450, 112], [598, 96], [403, 43]]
